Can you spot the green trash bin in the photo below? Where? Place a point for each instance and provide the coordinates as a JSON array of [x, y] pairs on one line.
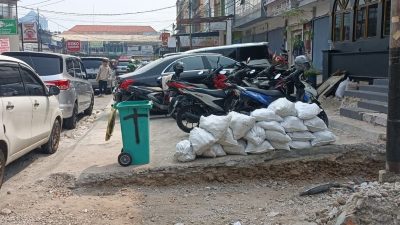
[[134, 118]]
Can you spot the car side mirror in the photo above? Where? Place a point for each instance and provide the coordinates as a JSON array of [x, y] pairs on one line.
[[54, 90]]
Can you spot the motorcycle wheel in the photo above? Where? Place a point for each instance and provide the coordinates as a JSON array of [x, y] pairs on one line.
[[322, 115], [187, 124]]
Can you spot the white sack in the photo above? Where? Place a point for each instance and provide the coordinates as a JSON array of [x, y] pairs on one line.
[[258, 149], [209, 153], [184, 152], [256, 135], [201, 140], [300, 144], [280, 146], [342, 88], [216, 125], [227, 139], [316, 124], [293, 124], [274, 136], [218, 150], [323, 138], [239, 149], [273, 125], [301, 136], [306, 111], [283, 107], [241, 124], [265, 115]]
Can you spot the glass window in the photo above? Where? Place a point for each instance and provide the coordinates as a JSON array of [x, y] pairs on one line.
[[45, 65], [367, 19], [10, 82], [70, 67], [342, 21], [193, 63], [32, 85], [223, 61], [386, 14], [78, 69]]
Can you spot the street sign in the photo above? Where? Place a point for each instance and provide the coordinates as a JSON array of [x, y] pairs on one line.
[[73, 46], [4, 45], [8, 26], [29, 33]]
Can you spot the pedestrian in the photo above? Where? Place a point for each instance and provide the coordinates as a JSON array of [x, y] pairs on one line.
[[103, 76]]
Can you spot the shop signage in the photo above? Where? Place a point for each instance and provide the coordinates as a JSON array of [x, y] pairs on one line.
[[96, 44], [4, 45], [73, 46], [29, 32], [8, 26]]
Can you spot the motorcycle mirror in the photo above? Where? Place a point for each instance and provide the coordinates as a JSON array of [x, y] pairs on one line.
[[248, 60], [277, 76]]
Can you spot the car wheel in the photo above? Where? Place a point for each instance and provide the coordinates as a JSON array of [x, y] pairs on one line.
[[89, 110], [70, 123], [2, 166], [52, 145]]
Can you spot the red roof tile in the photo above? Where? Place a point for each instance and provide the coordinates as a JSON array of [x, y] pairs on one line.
[[109, 29]]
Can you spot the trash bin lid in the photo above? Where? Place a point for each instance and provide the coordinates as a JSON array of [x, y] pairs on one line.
[[135, 104]]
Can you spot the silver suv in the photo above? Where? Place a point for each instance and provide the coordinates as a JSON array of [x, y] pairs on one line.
[[67, 73], [92, 65]]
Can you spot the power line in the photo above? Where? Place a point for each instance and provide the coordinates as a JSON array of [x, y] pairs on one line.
[[38, 3], [52, 3], [106, 22], [101, 14]]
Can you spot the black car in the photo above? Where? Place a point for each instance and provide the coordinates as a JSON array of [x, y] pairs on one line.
[[193, 63]]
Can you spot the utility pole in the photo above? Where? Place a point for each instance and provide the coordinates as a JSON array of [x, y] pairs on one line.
[[38, 31], [393, 121], [191, 24]]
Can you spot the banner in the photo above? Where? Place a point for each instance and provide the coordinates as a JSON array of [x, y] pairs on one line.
[[29, 33], [96, 44], [164, 38], [73, 46], [4, 45], [8, 26]]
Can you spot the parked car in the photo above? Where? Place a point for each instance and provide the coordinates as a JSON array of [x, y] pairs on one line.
[[92, 65], [193, 64], [258, 52], [68, 73], [30, 112], [122, 66]]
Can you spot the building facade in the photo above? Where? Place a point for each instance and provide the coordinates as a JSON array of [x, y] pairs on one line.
[[9, 31], [114, 41]]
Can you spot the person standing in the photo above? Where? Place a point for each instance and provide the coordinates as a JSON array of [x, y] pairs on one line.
[[103, 76]]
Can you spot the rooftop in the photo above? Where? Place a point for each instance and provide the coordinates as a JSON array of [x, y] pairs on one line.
[[110, 29]]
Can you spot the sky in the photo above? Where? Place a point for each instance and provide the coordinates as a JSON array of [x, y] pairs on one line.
[[158, 20]]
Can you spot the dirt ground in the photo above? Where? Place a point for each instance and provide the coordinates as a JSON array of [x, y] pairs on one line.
[[33, 195]]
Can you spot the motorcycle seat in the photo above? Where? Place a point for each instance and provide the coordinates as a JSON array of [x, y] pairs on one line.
[[274, 93], [215, 93]]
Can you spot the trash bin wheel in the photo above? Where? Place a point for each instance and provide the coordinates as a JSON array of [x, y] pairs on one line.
[[124, 159]]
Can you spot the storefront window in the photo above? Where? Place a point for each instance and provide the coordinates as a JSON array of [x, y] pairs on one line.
[[386, 20], [367, 18], [342, 18]]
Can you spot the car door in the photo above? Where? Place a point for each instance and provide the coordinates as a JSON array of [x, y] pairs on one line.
[[41, 111], [17, 109], [216, 61], [192, 67], [75, 82], [80, 75]]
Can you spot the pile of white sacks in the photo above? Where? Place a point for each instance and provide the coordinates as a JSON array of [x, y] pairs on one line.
[[284, 125]]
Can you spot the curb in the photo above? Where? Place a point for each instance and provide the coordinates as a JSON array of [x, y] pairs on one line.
[[367, 131], [225, 168]]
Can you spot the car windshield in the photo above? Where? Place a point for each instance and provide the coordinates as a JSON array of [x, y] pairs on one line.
[[92, 65], [123, 63], [46, 65]]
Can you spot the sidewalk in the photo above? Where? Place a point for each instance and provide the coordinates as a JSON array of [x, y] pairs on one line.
[[94, 160]]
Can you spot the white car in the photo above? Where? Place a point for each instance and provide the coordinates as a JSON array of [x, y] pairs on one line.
[[29, 112]]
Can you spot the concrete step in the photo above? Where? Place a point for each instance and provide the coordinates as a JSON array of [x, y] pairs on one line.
[[374, 105], [375, 88], [375, 118], [354, 113], [369, 95], [381, 82]]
